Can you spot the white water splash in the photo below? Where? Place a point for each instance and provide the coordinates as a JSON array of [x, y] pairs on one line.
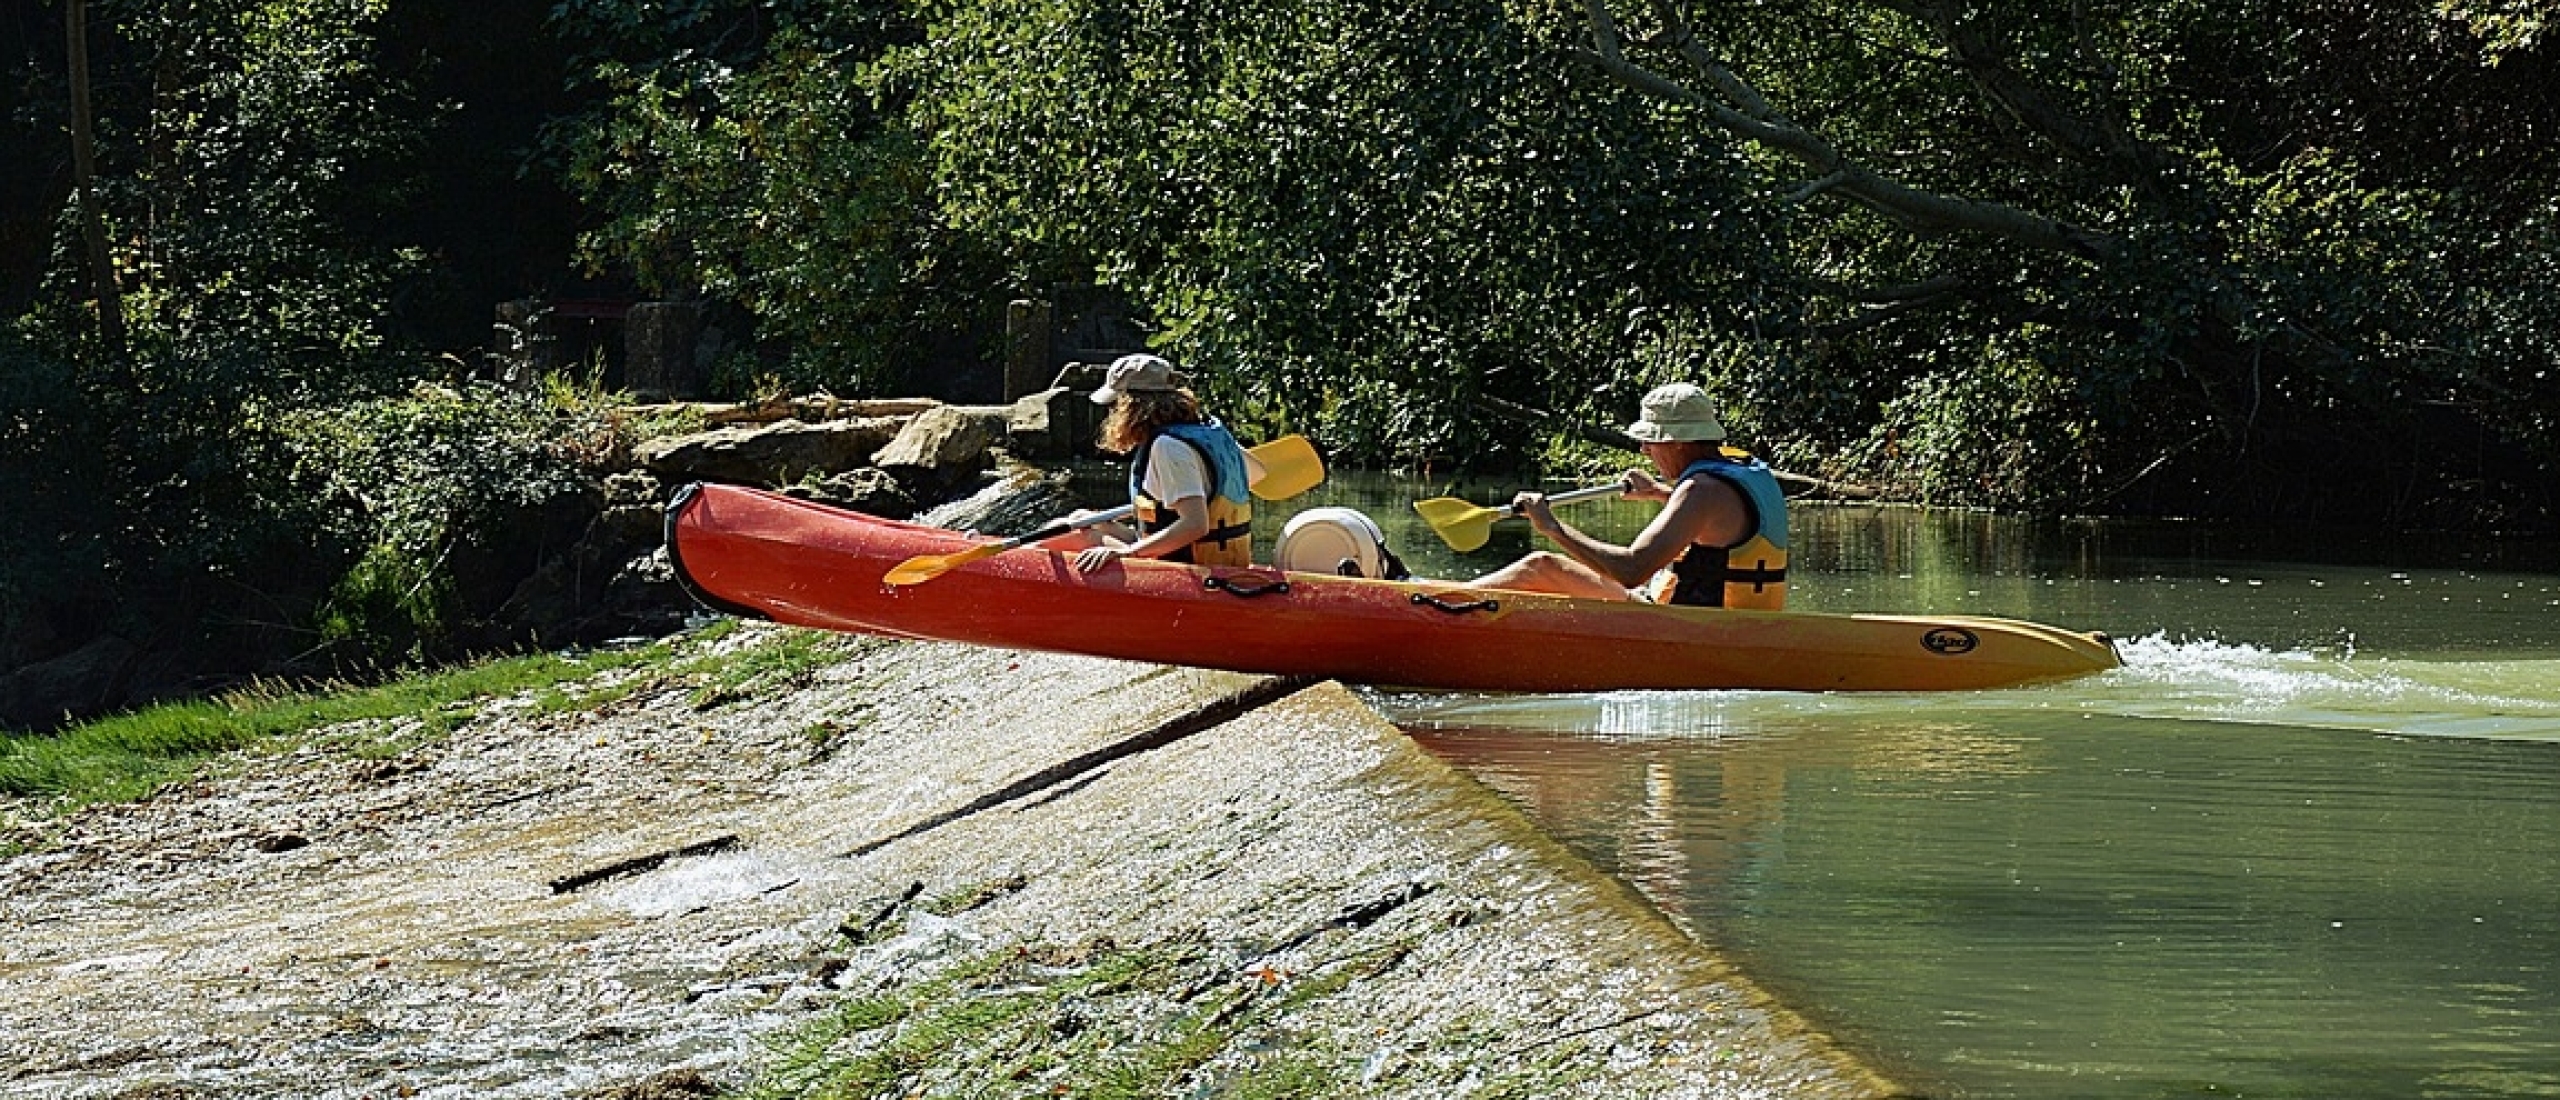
[[2215, 681], [2163, 678]]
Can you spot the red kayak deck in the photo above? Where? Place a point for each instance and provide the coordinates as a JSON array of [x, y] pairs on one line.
[[748, 551]]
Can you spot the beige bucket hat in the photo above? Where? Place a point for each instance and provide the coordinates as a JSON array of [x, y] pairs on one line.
[[1139, 373], [1677, 413]]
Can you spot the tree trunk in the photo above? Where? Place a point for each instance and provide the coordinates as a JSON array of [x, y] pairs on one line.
[[84, 180]]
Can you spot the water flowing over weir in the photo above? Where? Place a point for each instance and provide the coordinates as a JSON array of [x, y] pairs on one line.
[[975, 870]]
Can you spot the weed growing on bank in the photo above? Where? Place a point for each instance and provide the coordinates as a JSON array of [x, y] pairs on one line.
[[129, 756], [1097, 1021]]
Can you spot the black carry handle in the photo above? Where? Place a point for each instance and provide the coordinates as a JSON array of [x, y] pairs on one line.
[[1459, 607]]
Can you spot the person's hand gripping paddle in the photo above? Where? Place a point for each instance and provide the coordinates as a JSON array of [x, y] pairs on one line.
[[1465, 525]]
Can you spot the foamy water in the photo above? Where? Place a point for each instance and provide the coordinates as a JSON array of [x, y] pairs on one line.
[[2195, 681]]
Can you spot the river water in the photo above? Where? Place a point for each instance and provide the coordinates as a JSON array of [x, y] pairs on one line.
[[2305, 844]]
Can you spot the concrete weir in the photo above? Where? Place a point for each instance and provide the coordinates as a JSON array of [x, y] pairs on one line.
[[930, 870]]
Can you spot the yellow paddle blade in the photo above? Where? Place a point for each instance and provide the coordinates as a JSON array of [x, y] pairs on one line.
[[925, 567], [1464, 525], [1290, 466]]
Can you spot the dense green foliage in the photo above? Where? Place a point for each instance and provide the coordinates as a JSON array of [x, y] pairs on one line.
[[2274, 241], [425, 487], [2327, 243], [250, 481], [738, 155], [234, 179], [1358, 214], [240, 174], [2294, 258]]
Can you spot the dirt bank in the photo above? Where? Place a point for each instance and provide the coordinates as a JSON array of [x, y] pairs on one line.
[[924, 870]]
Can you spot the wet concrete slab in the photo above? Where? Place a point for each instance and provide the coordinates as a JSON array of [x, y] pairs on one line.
[[650, 896]]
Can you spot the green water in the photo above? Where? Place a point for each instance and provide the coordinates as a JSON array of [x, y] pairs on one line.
[[2306, 844]]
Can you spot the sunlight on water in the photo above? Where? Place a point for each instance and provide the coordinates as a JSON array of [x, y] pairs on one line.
[[696, 883]]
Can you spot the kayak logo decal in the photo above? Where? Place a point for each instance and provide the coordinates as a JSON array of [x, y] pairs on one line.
[[1949, 641]]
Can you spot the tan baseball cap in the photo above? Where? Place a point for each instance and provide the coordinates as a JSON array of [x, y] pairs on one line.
[[1677, 413], [1138, 373]]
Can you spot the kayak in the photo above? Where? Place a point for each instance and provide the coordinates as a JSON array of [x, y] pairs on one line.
[[750, 552]]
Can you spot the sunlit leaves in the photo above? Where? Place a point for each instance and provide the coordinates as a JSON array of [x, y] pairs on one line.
[[241, 182], [2504, 26], [1350, 212]]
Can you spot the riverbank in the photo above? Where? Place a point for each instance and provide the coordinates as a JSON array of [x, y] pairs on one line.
[[906, 867]]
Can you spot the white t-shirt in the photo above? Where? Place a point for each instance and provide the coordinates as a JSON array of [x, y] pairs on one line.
[[1175, 469]]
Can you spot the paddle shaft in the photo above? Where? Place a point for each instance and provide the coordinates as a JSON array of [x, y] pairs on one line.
[[1056, 528], [1571, 495], [1466, 526]]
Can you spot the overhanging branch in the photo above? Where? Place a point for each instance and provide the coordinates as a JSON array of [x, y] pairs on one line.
[[1740, 109]]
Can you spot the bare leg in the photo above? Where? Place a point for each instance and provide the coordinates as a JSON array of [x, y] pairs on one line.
[[1545, 571]]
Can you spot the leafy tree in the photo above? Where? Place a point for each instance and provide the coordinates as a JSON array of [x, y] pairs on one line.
[[741, 156], [242, 146], [2199, 255], [248, 145], [1346, 211]]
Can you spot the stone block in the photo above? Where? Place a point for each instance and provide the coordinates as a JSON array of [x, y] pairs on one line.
[[768, 454], [946, 439]]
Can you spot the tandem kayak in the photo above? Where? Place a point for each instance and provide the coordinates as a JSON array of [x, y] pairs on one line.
[[746, 551]]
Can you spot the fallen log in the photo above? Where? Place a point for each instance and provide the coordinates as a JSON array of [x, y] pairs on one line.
[[810, 409]]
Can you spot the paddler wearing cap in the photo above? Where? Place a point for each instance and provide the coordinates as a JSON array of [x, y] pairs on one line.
[[1719, 541], [1188, 477]]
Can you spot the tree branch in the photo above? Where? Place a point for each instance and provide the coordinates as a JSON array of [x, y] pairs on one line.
[[1989, 67], [1740, 109], [1935, 286], [1894, 301]]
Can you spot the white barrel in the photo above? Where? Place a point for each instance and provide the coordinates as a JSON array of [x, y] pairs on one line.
[[1339, 541]]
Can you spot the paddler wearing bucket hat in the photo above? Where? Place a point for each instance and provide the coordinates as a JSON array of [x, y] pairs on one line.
[[1188, 477], [1719, 541]]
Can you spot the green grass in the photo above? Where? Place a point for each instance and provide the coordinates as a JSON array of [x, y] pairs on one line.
[[786, 661], [128, 756]]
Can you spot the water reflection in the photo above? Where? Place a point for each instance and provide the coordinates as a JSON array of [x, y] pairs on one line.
[[2022, 900], [2302, 845]]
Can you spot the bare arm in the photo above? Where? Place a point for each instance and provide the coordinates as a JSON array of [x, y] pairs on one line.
[[1670, 533], [1191, 520]]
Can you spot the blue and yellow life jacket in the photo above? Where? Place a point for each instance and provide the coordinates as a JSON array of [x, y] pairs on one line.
[[1229, 540], [1749, 574]]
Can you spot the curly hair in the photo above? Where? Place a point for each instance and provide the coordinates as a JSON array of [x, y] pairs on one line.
[[1139, 415]]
